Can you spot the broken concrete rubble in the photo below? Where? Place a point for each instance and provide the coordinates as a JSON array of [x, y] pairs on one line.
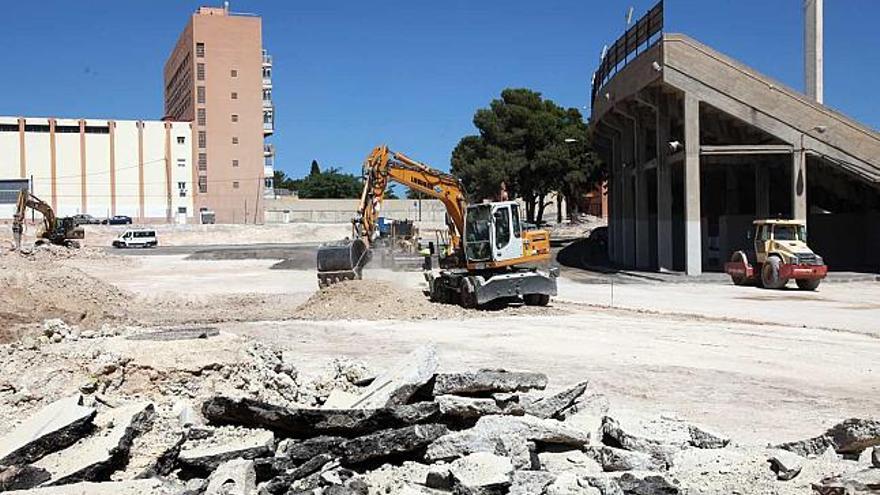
[[864, 482], [397, 385], [133, 487], [612, 459], [96, 456], [305, 423], [530, 482], [785, 464], [233, 477], [568, 460], [810, 447], [875, 457], [631, 484], [487, 382], [854, 435], [54, 427], [393, 442]]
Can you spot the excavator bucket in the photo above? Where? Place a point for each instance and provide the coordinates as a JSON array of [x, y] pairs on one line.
[[340, 261]]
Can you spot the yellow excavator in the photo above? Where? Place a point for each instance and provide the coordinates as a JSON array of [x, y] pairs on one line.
[[61, 231], [489, 254]]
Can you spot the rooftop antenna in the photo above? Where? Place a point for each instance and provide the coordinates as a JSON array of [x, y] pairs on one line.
[[629, 16]]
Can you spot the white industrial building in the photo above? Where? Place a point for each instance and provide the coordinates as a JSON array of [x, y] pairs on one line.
[[142, 169]]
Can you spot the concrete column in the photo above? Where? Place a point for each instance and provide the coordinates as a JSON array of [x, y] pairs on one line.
[[693, 241], [643, 233], [799, 185], [628, 223], [664, 190], [762, 190]]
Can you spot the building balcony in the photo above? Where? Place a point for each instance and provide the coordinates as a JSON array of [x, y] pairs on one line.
[[268, 150], [267, 59], [268, 121], [268, 104]]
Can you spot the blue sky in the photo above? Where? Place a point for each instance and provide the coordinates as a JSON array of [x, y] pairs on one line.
[[352, 74]]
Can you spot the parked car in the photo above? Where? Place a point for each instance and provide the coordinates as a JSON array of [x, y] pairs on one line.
[[118, 220], [136, 238], [85, 219]]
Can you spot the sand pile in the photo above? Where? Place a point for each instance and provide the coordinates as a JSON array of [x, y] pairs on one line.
[[34, 289], [373, 300]]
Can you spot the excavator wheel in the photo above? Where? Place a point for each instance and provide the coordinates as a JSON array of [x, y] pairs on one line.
[[739, 279], [770, 274], [808, 284], [536, 299], [468, 294]]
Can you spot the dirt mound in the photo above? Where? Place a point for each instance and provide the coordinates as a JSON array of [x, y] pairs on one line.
[[33, 289], [373, 300]]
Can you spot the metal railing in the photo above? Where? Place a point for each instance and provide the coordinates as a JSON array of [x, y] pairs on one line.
[[643, 35]]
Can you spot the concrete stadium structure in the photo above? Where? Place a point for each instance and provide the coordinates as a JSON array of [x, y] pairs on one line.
[[142, 169], [698, 145]]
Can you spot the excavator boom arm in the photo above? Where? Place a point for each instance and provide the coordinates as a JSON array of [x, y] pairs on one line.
[[384, 165]]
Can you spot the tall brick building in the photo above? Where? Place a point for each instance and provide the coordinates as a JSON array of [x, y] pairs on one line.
[[219, 77]]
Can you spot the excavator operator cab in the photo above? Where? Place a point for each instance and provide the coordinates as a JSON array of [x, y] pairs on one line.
[[493, 232]]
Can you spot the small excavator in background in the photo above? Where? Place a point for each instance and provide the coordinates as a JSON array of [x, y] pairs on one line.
[[488, 256], [61, 231]]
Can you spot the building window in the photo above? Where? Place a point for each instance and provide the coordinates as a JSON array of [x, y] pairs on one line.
[[203, 139], [181, 140], [234, 163], [181, 187], [234, 95], [200, 72], [235, 184], [181, 210], [200, 94], [233, 73], [203, 161], [267, 72], [181, 162], [200, 50], [201, 118], [235, 117], [234, 139], [203, 184], [267, 95]]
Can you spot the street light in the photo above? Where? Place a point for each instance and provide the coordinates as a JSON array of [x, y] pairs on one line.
[[571, 140]]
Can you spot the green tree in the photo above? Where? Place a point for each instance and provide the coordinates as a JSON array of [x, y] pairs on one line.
[[316, 169], [532, 145], [331, 184]]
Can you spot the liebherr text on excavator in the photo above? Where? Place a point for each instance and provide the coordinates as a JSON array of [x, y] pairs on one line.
[[490, 255]]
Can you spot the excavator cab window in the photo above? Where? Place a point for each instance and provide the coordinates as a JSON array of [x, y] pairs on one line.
[[517, 227], [477, 230], [502, 227]]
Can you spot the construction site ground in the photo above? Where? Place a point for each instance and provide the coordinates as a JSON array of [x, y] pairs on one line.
[[762, 366]]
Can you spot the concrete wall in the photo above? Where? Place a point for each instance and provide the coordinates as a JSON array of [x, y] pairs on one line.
[[288, 210], [132, 168]]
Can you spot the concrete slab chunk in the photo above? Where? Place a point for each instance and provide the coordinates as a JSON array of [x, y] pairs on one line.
[[234, 477], [481, 473], [866, 481], [54, 427], [613, 460], [95, 457], [303, 450], [487, 382], [388, 443], [208, 458], [307, 423], [530, 482], [854, 435], [22, 477], [554, 405], [397, 385], [463, 408], [786, 464], [875, 457]]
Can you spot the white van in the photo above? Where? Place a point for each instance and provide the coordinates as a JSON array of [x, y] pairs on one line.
[[136, 238]]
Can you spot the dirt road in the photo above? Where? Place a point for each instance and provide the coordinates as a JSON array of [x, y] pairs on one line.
[[755, 379]]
